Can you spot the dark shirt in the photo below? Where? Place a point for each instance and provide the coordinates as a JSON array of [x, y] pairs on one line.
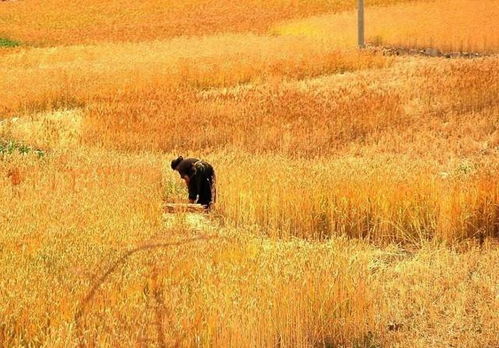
[[201, 179], [186, 167]]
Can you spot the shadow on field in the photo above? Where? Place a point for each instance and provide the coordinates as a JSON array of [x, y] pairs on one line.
[[159, 308]]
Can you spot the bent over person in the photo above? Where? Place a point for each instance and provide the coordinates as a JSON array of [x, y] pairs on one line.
[[199, 177]]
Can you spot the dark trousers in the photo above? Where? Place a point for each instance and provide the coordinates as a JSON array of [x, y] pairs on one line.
[[207, 190]]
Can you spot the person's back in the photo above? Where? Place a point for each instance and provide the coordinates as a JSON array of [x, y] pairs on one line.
[[199, 177]]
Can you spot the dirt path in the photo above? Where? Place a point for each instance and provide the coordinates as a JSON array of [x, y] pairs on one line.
[[426, 52]]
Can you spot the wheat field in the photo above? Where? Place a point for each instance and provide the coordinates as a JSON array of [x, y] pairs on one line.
[[358, 191], [444, 25]]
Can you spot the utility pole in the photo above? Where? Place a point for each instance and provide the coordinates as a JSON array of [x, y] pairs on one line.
[[361, 24]]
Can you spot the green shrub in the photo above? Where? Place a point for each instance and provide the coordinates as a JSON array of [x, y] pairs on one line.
[[8, 147], [4, 42]]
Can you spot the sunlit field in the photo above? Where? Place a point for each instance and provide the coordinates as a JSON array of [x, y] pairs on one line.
[[75, 22], [445, 25], [358, 192]]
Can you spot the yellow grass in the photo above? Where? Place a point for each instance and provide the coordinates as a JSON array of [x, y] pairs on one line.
[[427, 110], [358, 193], [451, 25], [67, 76], [61, 128], [229, 287], [63, 22]]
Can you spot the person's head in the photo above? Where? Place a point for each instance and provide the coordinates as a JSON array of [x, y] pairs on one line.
[[184, 171], [176, 162]]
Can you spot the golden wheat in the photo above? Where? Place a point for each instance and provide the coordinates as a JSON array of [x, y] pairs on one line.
[[449, 26], [62, 22], [358, 193]]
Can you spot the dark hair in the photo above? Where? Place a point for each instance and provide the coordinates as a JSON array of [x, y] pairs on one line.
[[176, 162]]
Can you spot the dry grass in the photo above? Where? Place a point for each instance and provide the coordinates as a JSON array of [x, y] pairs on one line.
[[235, 289], [451, 25], [358, 194], [439, 297], [62, 22], [59, 129], [69, 76], [420, 111]]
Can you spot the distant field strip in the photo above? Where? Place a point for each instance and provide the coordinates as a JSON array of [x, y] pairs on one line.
[[67, 76], [69, 22], [454, 25]]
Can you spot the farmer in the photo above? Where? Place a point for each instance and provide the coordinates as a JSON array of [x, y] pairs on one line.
[[199, 177]]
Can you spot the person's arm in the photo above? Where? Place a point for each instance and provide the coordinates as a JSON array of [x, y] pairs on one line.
[[193, 186]]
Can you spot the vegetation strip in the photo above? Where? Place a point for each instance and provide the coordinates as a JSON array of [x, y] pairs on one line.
[[425, 52], [5, 42], [8, 147]]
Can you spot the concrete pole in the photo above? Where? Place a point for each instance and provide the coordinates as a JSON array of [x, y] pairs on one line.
[[361, 24]]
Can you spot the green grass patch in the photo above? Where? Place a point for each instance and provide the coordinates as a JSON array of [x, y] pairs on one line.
[[4, 42], [8, 147]]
